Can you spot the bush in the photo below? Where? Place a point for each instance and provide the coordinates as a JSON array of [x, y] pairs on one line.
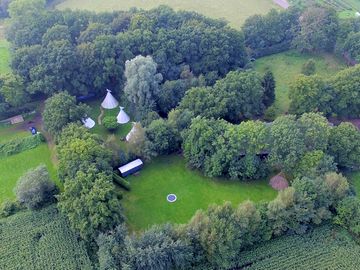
[[308, 68], [348, 214], [20, 144], [121, 182], [35, 188], [9, 208], [270, 113], [110, 123]]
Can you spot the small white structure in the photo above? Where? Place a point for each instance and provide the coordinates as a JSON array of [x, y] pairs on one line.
[[132, 167], [131, 132], [357, 14], [122, 117], [88, 123], [109, 101]]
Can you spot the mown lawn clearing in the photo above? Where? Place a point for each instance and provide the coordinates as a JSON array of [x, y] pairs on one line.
[[146, 203], [4, 56], [12, 167], [287, 66], [233, 11]]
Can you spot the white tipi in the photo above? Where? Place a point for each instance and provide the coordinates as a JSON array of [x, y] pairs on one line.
[[122, 117], [109, 102]]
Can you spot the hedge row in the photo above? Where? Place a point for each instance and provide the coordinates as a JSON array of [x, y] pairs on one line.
[[19, 145]]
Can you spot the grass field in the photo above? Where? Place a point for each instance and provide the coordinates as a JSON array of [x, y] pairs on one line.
[[146, 203], [10, 132], [354, 179], [4, 56], [12, 167], [325, 248], [234, 11], [40, 240], [286, 67]]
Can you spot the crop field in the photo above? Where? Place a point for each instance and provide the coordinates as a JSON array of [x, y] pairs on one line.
[[12, 167], [234, 11], [286, 67], [40, 240], [325, 248], [146, 203]]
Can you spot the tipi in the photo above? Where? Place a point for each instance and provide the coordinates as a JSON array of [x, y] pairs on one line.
[[122, 117], [109, 102]]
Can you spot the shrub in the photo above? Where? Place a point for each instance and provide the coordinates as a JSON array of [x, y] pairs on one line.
[[348, 214], [121, 182], [9, 208], [308, 68], [20, 144], [35, 188], [110, 123]]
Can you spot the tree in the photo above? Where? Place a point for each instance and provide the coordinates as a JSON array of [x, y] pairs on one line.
[[110, 123], [162, 137], [268, 83], [318, 29], [142, 82], [60, 110], [310, 94], [308, 68], [286, 143], [57, 32], [91, 202], [314, 164], [344, 145], [12, 88], [158, 248], [137, 144], [352, 46], [35, 188], [348, 214]]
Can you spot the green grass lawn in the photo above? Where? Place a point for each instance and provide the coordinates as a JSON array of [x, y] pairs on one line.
[[234, 11], [286, 67], [12, 167], [146, 203], [10, 132], [4, 56], [354, 178]]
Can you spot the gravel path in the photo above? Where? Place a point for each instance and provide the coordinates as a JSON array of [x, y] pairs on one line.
[[282, 3]]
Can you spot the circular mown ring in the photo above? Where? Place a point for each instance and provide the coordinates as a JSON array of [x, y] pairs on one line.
[[171, 198]]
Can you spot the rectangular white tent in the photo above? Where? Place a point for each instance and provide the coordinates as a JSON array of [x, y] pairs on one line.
[[132, 167]]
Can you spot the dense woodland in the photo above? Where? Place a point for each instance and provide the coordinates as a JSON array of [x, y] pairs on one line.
[[190, 82]]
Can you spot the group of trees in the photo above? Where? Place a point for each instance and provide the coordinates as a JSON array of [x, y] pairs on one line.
[[307, 146], [338, 96], [79, 50], [214, 238]]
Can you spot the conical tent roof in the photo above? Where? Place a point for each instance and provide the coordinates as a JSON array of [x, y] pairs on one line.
[[109, 102], [122, 117]]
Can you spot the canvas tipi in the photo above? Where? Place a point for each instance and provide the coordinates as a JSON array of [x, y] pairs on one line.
[[109, 102], [122, 117]]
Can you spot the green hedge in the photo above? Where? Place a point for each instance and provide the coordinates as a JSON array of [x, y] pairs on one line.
[[121, 182], [19, 145]]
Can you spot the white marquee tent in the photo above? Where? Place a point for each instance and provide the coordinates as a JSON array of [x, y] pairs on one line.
[[122, 117], [109, 102]]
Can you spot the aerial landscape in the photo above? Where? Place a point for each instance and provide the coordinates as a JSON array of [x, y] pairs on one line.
[[169, 134]]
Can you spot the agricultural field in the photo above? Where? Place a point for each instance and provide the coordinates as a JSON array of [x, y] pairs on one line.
[[233, 11], [325, 248], [40, 240], [146, 203], [286, 67], [14, 166]]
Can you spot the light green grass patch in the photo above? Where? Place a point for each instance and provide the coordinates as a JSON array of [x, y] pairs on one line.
[[287, 66], [234, 11], [4, 56], [354, 178], [13, 167], [8, 133], [146, 203]]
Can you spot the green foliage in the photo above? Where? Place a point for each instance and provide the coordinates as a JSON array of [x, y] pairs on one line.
[[138, 144], [60, 110], [9, 208], [352, 46], [19, 145], [348, 214], [34, 188], [90, 202], [268, 83], [28, 240], [121, 182], [318, 29], [308, 67], [278, 254], [13, 90], [110, 123], [344, 145]]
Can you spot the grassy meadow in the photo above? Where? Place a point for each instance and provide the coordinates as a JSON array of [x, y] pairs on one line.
[[286, 66], [4, 56], [13, 167], [234, 11], [146, 203]]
